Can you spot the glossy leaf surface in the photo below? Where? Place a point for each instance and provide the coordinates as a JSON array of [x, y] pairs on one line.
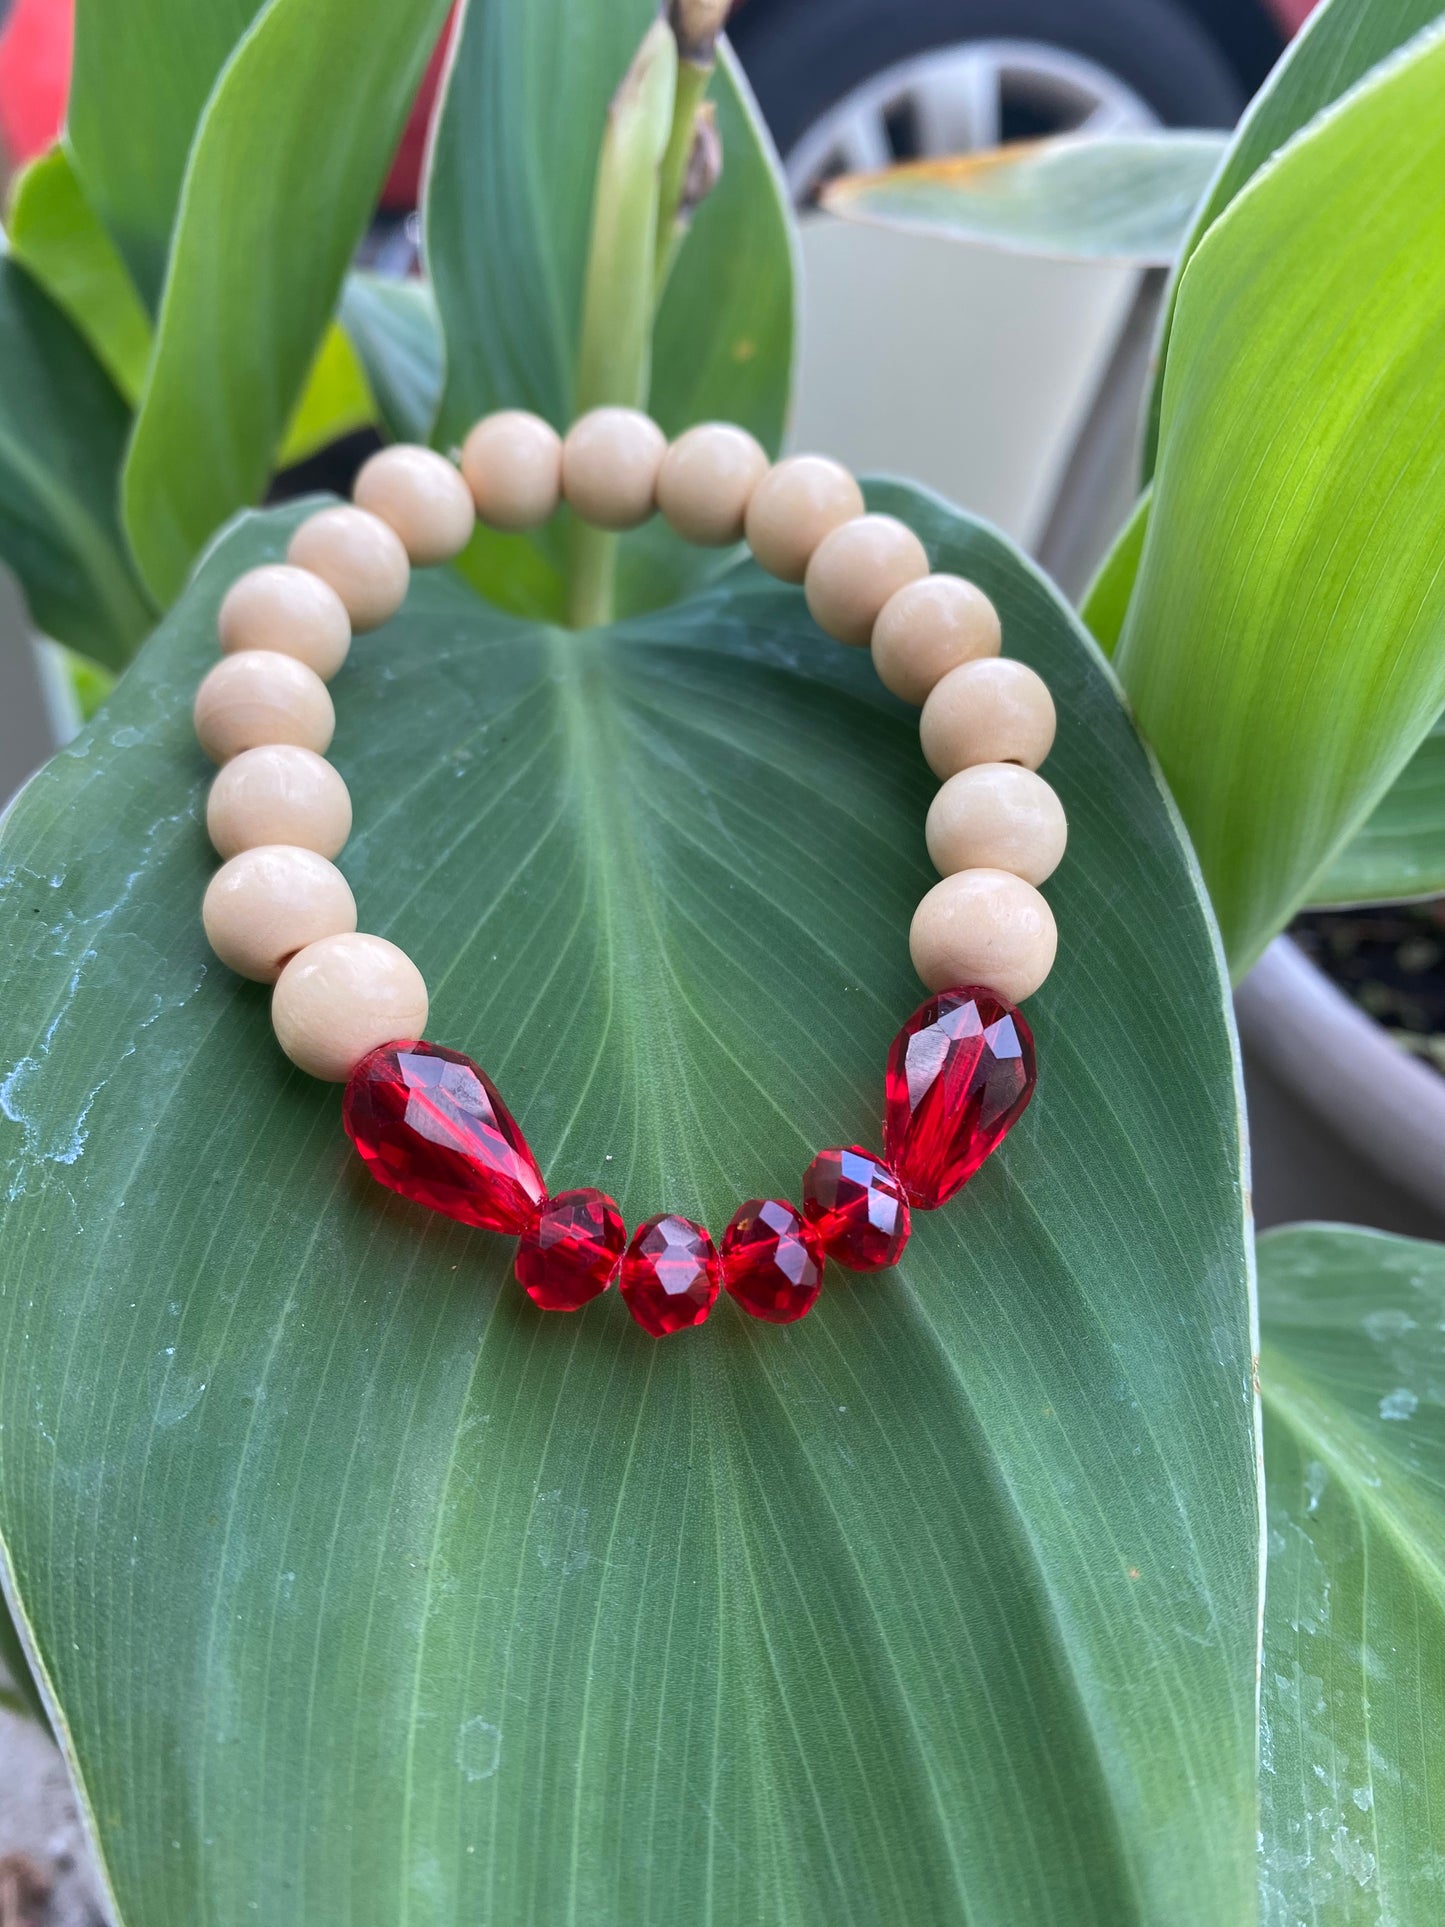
[[62, 433], [1123, 198], [511, 180], [141, 76], [1284, 648], [58, 236], [1334, 50], [413, 1603], [1352, 1367], [234, 347]]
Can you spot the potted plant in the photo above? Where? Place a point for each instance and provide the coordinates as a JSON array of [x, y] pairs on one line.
[[356, 1589], [1329, 1020]]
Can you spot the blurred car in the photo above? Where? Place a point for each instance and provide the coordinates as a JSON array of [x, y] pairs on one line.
[[851, 85]]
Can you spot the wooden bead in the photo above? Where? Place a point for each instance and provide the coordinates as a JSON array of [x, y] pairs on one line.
[[706, 481], [984, 927], [268, 903], [258, 696], [290, 611], [345, 996], [856, 570], [363, 560], [991, 711], [421, 496], [278, 794], [997, 816], [610, 464], [928, 628], [793, 507], [512, 463]]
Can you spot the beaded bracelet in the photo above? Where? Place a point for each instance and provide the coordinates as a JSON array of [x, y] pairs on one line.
[[352, 1008]]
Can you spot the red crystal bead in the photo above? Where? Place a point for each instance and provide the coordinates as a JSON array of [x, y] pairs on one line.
[[573, 1251], [670, 1275], [960, 1073], [430, 1125], [857, 1207], [772, 1261]]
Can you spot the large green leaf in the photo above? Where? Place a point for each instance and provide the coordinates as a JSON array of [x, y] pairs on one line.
[[1400, 852], [373, 1594], [1352, 1367], [1285, 644], [287, 164], [56, 233], [141, 76], [1338, 45], [62, 430], [512, 169], [1127, 198]]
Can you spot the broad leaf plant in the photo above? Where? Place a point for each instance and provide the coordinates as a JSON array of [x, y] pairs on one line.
[[1086, 1570]]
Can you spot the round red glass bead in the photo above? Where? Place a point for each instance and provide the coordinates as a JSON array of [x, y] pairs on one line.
[[960, 1074], [772, 1261], [670, 1275], [573, 1251], [430, 1125], [857, 1207]]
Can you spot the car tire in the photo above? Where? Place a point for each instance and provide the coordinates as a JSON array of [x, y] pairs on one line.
[[802, 57]]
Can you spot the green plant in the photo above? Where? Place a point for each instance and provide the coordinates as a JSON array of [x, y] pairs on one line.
[[361, 1595]]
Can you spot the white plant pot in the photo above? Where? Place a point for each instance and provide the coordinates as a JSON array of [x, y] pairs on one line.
[[1381, 1101]]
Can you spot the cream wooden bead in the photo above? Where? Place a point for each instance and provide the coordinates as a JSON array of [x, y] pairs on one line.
[[289, 610], [421, 496], [706, 481], [345, 996], [796, 504], [512, 463], [278, 794], [360, 556], [856, 570], [268, 903], [928, 628], [258, 696], [984, 927], [995, 710], [997, 816], [610, 464]]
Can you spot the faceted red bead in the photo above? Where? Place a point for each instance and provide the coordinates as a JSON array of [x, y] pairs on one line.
[[670, 1275], [857, 1207], [573, 1251], [772, 1261], [430, 1125], [960, 1073]]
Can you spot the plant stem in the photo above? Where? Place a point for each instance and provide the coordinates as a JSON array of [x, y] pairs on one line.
[[693, 77], [615, 359]]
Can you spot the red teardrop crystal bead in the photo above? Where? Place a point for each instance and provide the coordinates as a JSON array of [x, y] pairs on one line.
[[573, 1251], [670, 1275], [960, 1073], [857, 1207], [430, 1124], [772, 1261]]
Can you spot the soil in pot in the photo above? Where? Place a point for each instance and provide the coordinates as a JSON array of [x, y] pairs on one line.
[[1391, 960]]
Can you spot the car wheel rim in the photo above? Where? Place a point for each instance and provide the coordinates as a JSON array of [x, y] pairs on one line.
[[957, 100]]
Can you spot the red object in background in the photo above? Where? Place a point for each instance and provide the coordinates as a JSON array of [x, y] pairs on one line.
[[34, 75], [35, 50], [1292, 14], [403, 183]]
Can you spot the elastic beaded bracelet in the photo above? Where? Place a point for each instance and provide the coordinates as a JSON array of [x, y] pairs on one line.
[[351, 1008]]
